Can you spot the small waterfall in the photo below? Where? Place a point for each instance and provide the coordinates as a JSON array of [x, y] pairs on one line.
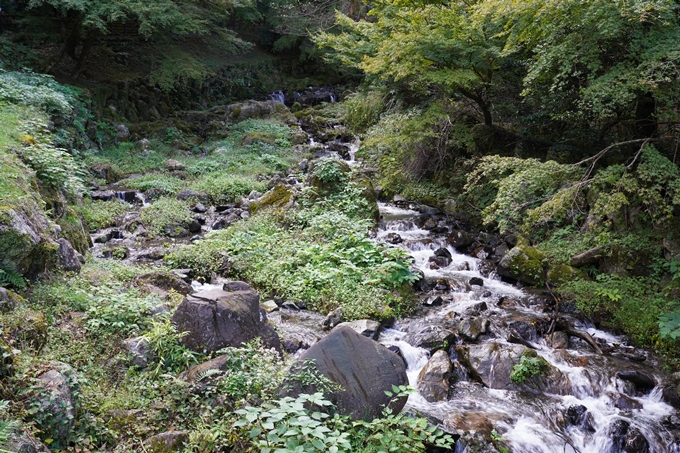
[[278, 96], [530, 422]]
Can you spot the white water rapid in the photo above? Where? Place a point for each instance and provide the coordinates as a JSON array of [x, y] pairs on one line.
[[530, 422]]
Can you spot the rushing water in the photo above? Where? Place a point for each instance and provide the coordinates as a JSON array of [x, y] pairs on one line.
[[529, 422]]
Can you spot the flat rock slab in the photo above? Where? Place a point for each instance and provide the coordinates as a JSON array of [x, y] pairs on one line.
[[216, 319]]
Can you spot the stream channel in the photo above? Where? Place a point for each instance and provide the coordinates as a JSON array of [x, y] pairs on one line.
[[586, 409]]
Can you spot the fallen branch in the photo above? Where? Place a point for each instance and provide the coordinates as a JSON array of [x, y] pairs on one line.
[[585, 336]]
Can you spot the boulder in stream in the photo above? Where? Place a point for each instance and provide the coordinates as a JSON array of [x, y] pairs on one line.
[[431, 337], [471, 328], [523, 263], [365, 327], [362, 368], [433, 379], [217, 318]]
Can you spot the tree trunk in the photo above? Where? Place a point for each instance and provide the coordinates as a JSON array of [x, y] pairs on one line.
[[645, 116]]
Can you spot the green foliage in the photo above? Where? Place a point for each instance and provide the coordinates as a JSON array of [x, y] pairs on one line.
[[226, 187], [287, 426], [7, 426], [669, 325], [526, 368], [36, 90], [11, 277], [171, 356], [113, 309], [364, 110], [102, 214], [164, 184], [164, 213]]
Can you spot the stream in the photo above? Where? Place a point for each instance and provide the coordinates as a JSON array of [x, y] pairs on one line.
[[586, 412]]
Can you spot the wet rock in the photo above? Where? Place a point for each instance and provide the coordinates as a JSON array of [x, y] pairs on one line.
[[167, 442], [524, 329], [626, 403], [433, 301], [671, 394], [56, 405], [471, 328], [363, 368], [176, 231], [199, 208], [430, 224], [140, 351], [580, 417], [365, 327], [523, 263], [460, 239], [122, 133], [559, 340], [437, 262], [476, 281], [393, 238], [433, 379], [104, 171], [636, 442], [217, 318], [236, 286], [641, 381], [304, 165], [67, 257], [431, 337], [476, 309], [164, 280], [486, 267], [333, 319], [194, 226]]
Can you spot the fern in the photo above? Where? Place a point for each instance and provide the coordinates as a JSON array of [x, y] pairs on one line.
[[7, 427], [11, 277]]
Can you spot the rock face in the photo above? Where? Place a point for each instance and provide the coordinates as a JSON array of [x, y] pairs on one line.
[[365, 327], [280, 197], [472, 327], [433, 380], [68, 258], [363, 368], [25, 240], [522, 263], [139, 350], [57, 410], [430, 337], [216, 319], [167, 442]]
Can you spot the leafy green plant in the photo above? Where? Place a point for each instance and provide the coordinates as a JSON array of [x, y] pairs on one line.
[[38, 90], [164, 213], [171, 356], [102, 214], [11, 277], [115, 310], [299, 425], [526, 368], [7, 427], [225, 187], [164, 184], [669, 325]]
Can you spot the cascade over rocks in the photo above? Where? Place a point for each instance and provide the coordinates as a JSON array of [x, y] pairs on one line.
[[362, 367], [217, 318]]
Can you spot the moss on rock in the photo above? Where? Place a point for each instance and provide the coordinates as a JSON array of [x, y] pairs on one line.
[[281, 197], [563, 273], [523, 263]]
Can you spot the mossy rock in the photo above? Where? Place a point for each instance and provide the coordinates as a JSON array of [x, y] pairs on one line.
[[368, 192], [523, 263], [328, 175], [72, 228], [31, 332], [26, 240], [106, 172], [281, 197], [560, 274], [257, 137], [9, 300], [6, 360]]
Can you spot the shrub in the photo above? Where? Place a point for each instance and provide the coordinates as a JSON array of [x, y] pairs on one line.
[[38, 90], [527, 367], [171, 356], [223, 187], [166, 184], [163, 213], [102, 214], [113, 309]]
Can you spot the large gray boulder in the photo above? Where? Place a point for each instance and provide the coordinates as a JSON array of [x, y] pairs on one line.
[[492, 363], [433, 379], [67, 257], [362, 368], [365, 327], [26, 239], [217, 318]]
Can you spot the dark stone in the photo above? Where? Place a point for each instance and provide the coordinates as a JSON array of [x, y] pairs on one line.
[[194, 226], [362, 367], [443, 253], [191, 194], [591, 256], [439, 261], [433, 379], [140, 351], [365, 327], [333, 319], [236, 286], [433, 301], [580, 417], [393, 238], [431, 337], [524, 330], [199, 208], [57, 405], [624, 402], [164, 280], [642, 381], [476, 281], [636, 442], [68, 258], [472, 328], [216, 319], [460, 239], [617, 432]]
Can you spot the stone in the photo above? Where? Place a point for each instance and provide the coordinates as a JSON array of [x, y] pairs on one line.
[[523, 263], [433, 301], [443, 252], [166, 442], [433, 379], [104, 171], [21, 441], [140, 351], [217, 318], [122, 133], [562, 273], [236, 286], [476, 281], [333, 319], [579, 416], [175, 165], [365, 327], [363, 368], [197, 372], [26, 235], [9, 300], [200, 208], [67, 257], [431, 337], [269, 306], [559, 340], [626, 403], [280, 198], [191, 194], [164, 280], [393, 238], [472, 327], [460, 239], [641, 381], [56, 404]]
